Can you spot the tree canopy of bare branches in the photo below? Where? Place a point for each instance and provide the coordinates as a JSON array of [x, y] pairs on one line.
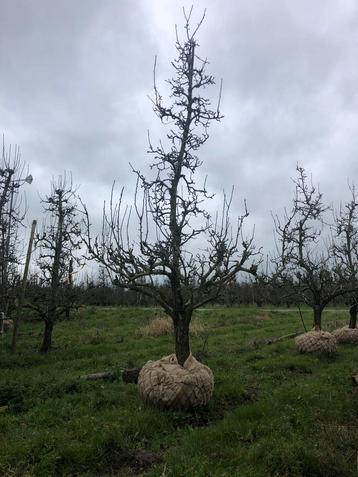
[[306, 258], [178, 242], [12, 213], [56, 247]]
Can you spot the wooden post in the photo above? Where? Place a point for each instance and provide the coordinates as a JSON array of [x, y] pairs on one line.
[[23, 288], [2, 318], [69, 288]]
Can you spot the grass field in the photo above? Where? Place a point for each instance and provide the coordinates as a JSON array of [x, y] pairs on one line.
[[274, 412]]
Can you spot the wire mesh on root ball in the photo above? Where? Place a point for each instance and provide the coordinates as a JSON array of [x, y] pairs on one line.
[[346, 335], [316, 342], [166, 384]]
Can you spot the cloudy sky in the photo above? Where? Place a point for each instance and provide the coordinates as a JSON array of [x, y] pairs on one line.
[[75, 78]]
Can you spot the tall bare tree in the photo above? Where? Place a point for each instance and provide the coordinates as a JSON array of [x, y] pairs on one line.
[[179, 243], [56, 247], [306, 261], [12, 214]]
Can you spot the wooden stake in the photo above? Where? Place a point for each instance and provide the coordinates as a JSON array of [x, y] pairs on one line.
[[23, 288]]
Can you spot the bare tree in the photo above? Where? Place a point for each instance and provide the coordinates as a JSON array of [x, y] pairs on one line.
[[345, 249], [179, 244], [306, 261], [12, 214], [56, 246]]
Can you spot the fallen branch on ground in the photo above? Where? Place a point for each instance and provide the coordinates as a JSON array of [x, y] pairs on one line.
[[97, 376], [269, 341]]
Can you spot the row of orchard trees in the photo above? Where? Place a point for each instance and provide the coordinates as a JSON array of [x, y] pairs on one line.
[[316, 260], [182, 257], [57, 241], [316, 263]]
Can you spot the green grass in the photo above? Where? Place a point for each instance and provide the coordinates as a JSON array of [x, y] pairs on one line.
[[274, 412]]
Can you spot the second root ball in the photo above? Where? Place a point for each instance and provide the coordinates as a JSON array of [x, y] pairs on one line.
[[316, 342]]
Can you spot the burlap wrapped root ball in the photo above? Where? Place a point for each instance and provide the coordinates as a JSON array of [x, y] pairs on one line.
[[316, 342], [8, 325], [168, 385], [346, 335]]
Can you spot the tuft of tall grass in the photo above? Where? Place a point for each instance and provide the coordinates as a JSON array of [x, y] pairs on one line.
[[162, 326], [157, 327]]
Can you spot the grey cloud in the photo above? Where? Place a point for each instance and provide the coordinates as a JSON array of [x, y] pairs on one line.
[[75, 78]]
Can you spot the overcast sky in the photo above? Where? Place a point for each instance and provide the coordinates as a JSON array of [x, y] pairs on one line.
[[75, 78]]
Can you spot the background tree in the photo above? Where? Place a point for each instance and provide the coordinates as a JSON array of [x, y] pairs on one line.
[[56, 247], [12, 214], [346, 250], [306, 260], [179, 243]]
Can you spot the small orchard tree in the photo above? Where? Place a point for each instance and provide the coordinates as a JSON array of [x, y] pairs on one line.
[[56, 247], [179, 243], [345, 249], [305, 261]]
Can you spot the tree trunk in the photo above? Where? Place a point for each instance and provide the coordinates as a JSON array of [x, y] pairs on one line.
[[52, 316], [353, 313], [181, 332], [317, 318], [47, 336]]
